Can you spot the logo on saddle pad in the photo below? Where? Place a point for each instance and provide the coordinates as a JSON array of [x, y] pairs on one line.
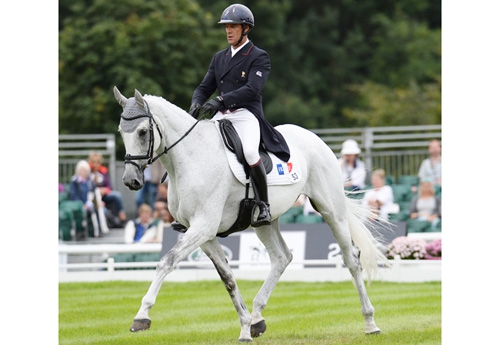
[[280, 169], [282, 173]]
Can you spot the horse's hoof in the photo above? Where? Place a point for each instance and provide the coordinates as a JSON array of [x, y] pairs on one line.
[[378, 331], [140, 325], [258, 329], [245, 340]]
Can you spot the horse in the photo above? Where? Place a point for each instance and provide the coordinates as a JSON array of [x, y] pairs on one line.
[[204, 195]]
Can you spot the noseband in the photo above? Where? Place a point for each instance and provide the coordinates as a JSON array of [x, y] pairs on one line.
[[129, 159]]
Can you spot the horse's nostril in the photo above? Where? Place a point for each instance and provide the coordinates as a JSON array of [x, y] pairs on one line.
[[133, 184]]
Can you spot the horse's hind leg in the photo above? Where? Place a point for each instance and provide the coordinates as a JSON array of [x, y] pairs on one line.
[[280, 256], [216, 254], [351, 259], [337, 219]]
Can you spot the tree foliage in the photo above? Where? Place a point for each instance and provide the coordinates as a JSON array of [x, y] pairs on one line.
[[158, 47], [334, 64]]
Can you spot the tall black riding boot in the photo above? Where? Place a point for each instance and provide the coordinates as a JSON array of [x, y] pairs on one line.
[[259, 182]]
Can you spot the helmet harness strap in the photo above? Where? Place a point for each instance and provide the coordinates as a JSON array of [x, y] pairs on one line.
[[243, 34]]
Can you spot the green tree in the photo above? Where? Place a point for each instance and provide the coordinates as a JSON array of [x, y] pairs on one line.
[[334, 64], [381, 105], [158, 47]]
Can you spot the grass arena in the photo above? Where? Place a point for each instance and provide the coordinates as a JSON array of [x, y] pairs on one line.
[[298, 313]]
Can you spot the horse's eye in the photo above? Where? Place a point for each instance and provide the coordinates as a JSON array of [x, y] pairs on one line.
[[142, 132]]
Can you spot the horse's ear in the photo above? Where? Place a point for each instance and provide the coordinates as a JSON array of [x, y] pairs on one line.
[[119, 97], [138, 98]]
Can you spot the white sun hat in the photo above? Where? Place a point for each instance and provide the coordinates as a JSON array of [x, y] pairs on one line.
[[350, 147]]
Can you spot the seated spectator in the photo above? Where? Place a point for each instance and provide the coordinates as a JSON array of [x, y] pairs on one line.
[[161, 199], [426, 205], [138, 230], [155, 233], [82, 187], [380, 199], [112, 199], [353, 169], [431, 167]]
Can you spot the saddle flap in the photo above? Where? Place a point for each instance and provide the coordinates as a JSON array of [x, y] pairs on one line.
[[233, 142]]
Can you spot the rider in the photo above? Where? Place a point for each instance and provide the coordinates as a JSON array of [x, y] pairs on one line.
[[239, 73]]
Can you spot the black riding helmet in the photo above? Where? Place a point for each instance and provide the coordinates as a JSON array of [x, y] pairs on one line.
[[238, 14]]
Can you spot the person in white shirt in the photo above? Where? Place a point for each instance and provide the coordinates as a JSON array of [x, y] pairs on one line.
[[380, 199], [353, 169]]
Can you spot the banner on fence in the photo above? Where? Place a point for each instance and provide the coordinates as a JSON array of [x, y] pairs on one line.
[[306, 241]]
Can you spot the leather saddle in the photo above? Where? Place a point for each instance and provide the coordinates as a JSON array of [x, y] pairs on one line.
[[233, 142]]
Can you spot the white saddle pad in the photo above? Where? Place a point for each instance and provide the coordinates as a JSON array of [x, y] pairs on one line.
[[283, 173]]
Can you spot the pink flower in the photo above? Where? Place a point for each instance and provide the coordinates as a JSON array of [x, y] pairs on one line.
[[433, 249], [408, 248]]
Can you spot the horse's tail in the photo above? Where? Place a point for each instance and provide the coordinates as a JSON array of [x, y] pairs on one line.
[[369, 242]]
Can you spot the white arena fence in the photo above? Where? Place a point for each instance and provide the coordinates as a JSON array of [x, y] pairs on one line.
[[298, 270]]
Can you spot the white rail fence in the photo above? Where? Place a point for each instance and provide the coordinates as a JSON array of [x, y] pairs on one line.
[[303, 270]]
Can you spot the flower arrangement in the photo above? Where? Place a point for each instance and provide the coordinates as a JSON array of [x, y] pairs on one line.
[[433, 250], [407, 248]]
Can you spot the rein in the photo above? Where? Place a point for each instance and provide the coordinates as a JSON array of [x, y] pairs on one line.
[[129, 159]]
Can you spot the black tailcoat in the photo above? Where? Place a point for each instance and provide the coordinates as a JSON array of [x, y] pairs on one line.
[[240, 80]]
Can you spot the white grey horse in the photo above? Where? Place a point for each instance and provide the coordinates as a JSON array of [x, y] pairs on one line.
[[204, 195]]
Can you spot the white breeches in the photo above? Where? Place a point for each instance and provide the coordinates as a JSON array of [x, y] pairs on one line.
[[247, 127]]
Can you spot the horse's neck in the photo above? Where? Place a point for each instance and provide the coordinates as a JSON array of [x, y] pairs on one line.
[[174, 120], [191, 149]]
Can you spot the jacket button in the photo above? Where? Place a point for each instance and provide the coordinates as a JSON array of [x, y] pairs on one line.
[[222, 81]]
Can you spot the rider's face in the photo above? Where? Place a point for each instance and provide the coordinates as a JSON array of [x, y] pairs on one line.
[[233, 33]]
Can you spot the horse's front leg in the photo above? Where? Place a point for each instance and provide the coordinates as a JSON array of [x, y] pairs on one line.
[[191, 240], [214, 251]]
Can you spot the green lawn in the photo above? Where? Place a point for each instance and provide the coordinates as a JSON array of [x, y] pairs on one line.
[[202, 313]]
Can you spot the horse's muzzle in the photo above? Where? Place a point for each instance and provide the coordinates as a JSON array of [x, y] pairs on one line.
[[132, 178], [133, 185]]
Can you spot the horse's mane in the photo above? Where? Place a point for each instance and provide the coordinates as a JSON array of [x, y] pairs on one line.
[[160, 106]]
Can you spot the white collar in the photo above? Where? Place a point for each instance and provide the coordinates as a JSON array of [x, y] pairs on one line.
[[234, 51]]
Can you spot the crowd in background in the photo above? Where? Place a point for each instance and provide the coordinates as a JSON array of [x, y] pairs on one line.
[[378, 195], [91, 184], [104, 206]]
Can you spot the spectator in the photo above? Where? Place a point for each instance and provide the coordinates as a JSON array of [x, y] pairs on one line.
[[155, 234], [152, 176], [380, 199], [136, 230], [161, 199], [112, 199], [431, 167], [81, 186], [426, 205], [353, 169]]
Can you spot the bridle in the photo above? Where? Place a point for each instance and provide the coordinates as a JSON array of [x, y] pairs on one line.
[[129, 159]]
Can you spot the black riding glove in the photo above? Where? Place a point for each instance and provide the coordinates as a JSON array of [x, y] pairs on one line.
[[194, 111], [213, 106]]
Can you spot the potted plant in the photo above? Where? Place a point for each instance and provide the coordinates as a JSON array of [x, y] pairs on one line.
[[408, 248]]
